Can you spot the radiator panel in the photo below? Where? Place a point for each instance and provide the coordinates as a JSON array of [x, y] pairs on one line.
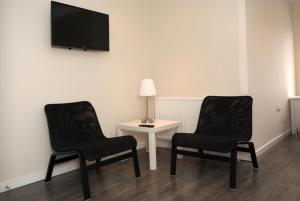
[[181, 109]]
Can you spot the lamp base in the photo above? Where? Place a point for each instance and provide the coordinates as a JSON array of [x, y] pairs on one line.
[[147, 120]]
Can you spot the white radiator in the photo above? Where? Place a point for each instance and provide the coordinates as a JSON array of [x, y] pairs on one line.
[[181, 109]]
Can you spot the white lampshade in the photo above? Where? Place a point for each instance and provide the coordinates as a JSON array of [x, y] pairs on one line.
[[147, 88]]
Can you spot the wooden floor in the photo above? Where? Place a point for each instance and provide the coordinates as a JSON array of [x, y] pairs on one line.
[[278, 178]]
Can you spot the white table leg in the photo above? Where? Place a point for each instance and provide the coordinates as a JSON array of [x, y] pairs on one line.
[[152, 150]]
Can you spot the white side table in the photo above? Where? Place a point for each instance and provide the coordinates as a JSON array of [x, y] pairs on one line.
[[159, 125]]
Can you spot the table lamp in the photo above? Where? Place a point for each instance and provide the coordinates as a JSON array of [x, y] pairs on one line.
[[147, 88]]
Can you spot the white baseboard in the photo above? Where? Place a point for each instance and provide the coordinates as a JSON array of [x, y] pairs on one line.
[[241, 155], [141, 145], [265, 147], [38, 176], [272, 142], [163, 143], [70, 166]]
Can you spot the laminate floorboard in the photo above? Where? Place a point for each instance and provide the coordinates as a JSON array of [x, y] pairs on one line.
[[277, 179]]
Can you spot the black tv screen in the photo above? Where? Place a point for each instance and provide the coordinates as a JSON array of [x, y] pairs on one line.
[[74, 27]]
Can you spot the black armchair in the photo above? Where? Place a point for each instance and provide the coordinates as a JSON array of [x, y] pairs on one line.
[[76, 133], [224, 124]]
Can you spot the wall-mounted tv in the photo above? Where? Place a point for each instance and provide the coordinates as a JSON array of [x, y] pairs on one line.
[[74, 27]]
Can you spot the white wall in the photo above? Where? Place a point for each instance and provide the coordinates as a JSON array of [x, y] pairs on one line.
[[33, 74], [270, 66], [189, 48], [296, 20], [196, 47], [213, 47]]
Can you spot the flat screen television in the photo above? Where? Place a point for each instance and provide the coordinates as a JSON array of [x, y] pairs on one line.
[[74, 27]]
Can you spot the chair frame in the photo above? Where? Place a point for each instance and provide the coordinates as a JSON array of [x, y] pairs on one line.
[[232, 159], [84, 168], [63, 155]]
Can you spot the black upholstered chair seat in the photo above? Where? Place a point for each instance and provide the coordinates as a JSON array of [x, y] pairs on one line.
[[75, 133], [99, 148], [219, 143], [225, 123]]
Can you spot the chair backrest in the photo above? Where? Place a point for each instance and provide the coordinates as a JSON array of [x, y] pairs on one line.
[[72, 122], [226, 116]]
